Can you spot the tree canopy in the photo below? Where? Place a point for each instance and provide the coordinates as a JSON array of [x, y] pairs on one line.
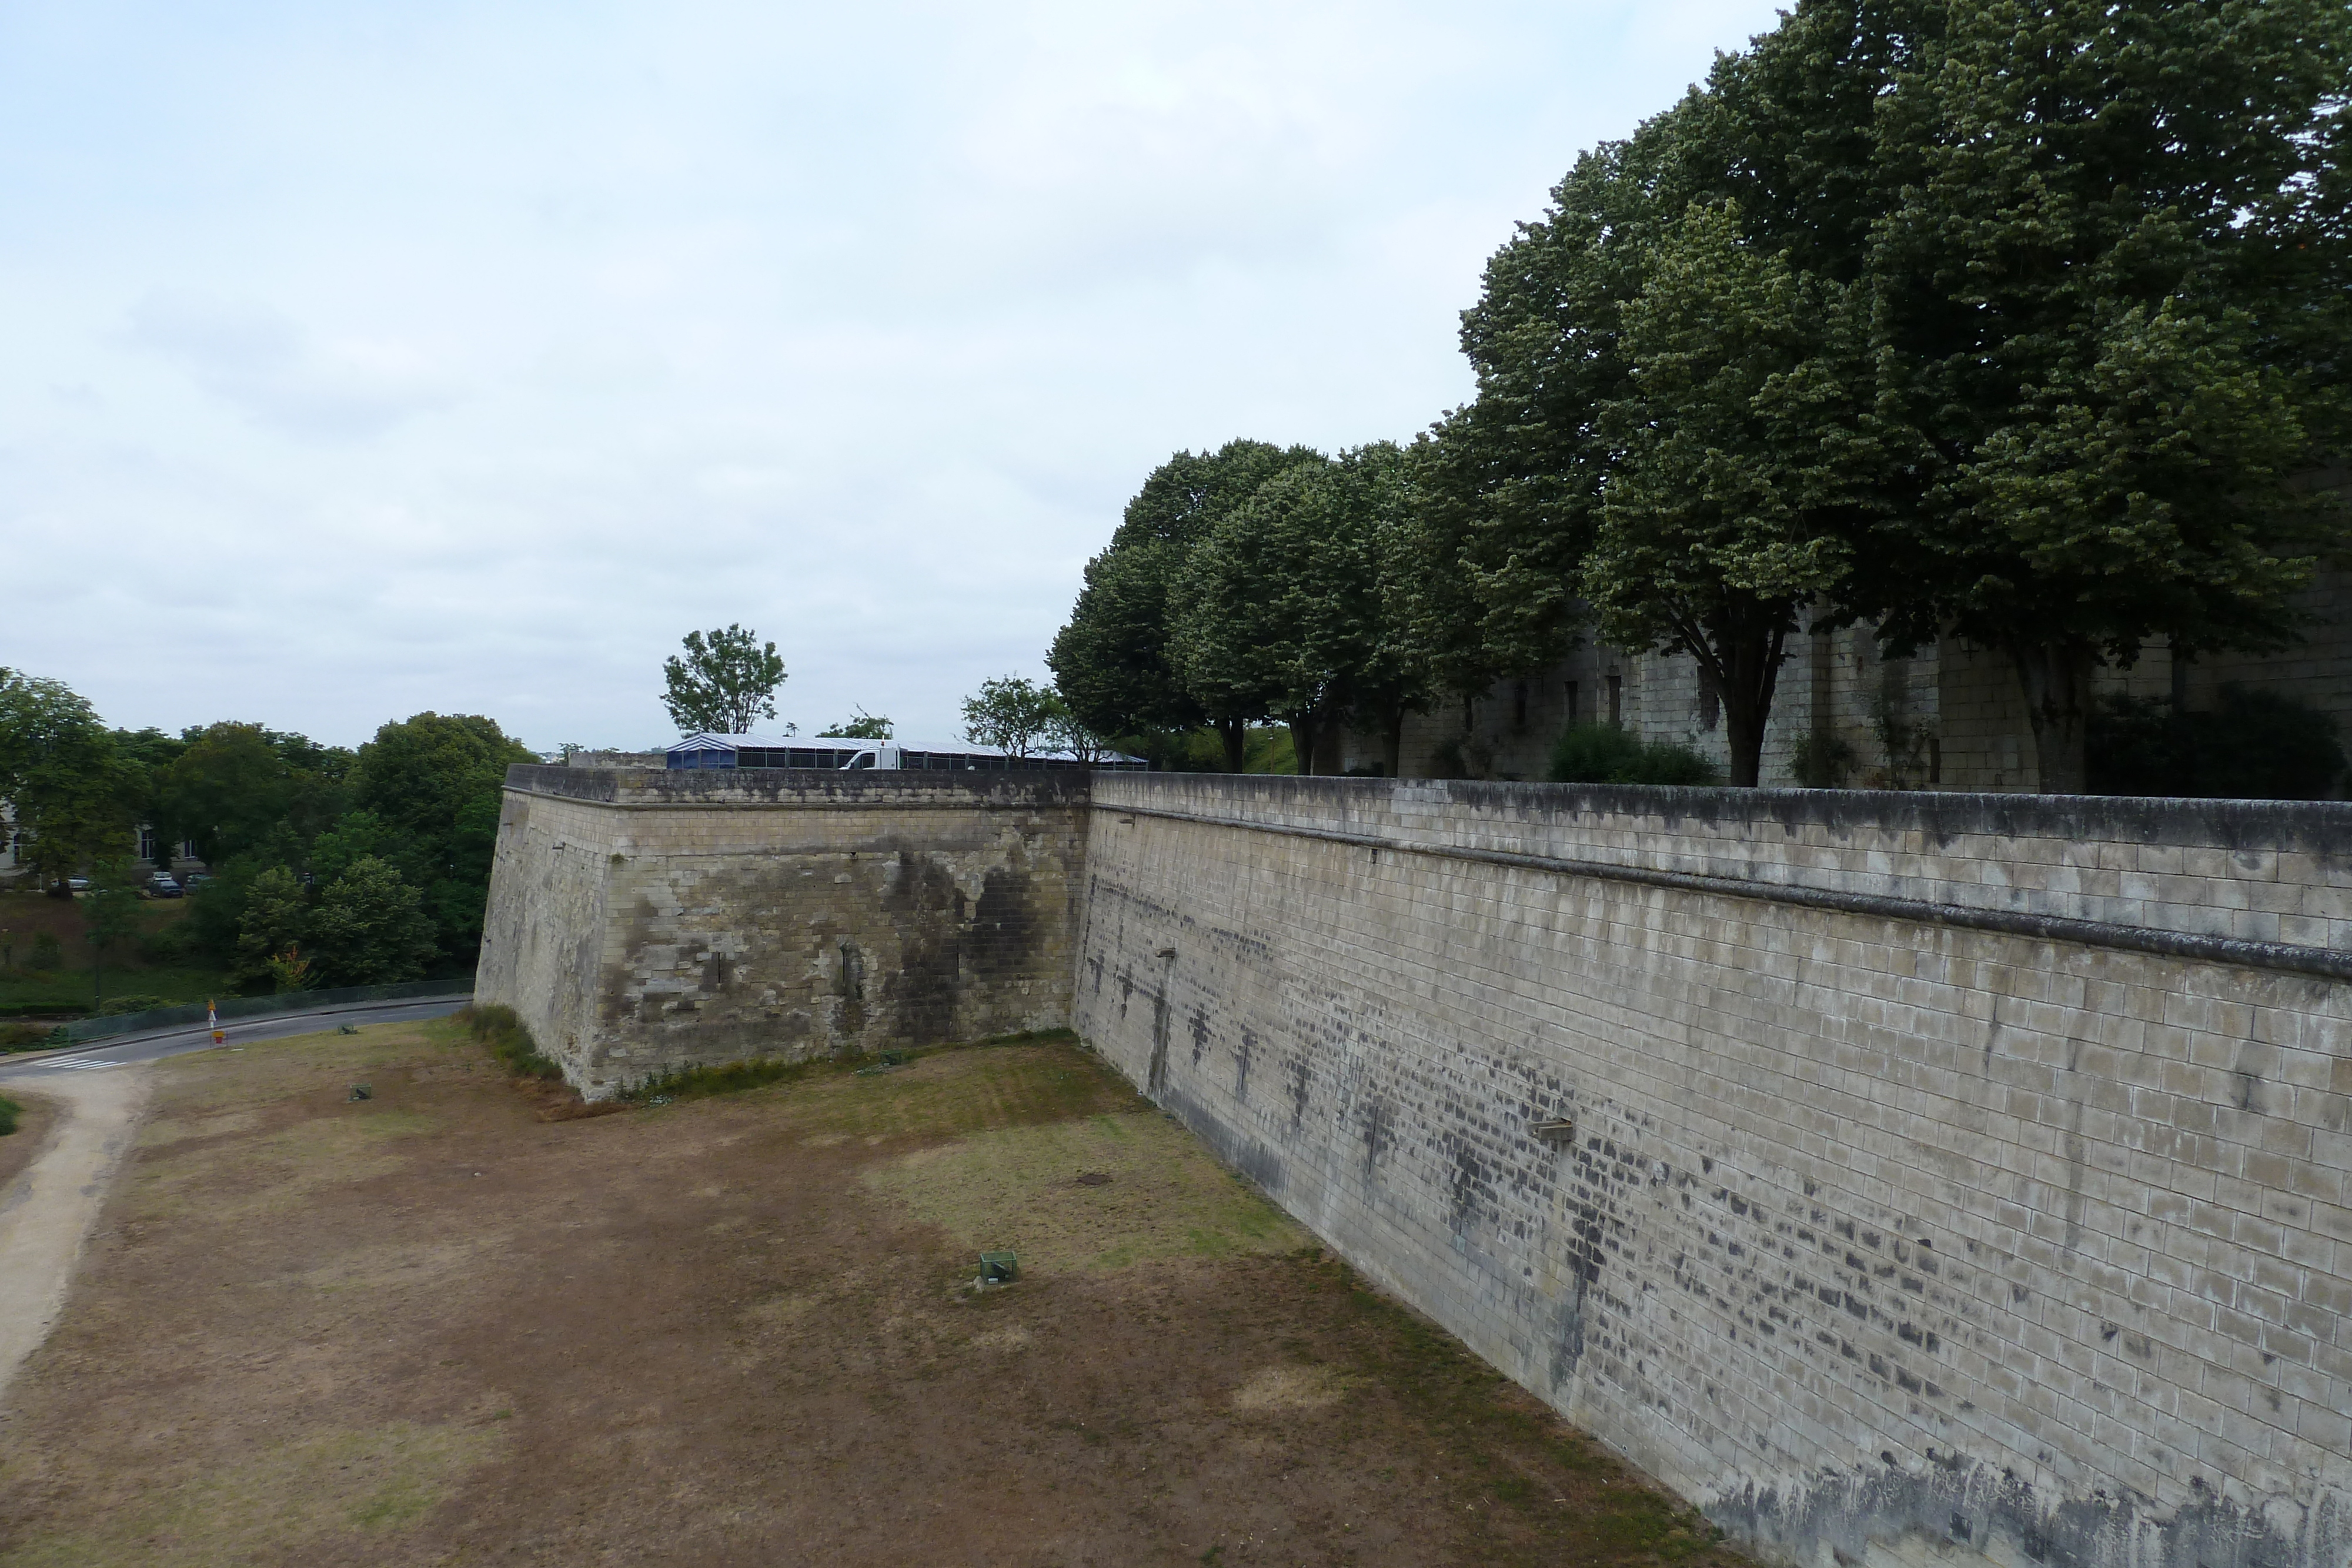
[[73, 792], [1111, 661], [1946, 316], [1014, 714], [726, 681]]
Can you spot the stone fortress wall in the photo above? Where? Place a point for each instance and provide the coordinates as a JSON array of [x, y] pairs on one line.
[[641, 920], [1903, 1178]]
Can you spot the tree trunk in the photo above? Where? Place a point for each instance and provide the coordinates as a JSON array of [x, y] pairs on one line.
[[2056, 679], [1234, 733], [1306, 730], [1749, 669]]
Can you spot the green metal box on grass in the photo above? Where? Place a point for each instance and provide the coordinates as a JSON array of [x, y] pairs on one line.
[[999, 1268]]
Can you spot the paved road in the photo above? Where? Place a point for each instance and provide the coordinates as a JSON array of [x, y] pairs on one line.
[[125, 1049]]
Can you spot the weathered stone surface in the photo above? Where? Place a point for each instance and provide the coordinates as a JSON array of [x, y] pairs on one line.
[[641, 921], [1883, 1238], [1874, 1236]]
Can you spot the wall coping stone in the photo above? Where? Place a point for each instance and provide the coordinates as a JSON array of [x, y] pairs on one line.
[[799, 788], [2262, 884], [2326, 961], [2322, 828]]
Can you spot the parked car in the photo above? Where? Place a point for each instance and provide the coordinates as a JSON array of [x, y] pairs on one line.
[[76, 884], [162, 884], [196, 879]]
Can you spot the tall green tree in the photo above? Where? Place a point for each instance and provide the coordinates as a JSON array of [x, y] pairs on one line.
[[863, 727], [1523, 468], [370, 928], [1111, 663], [147, 756], [228, 792], [1280, 610], [1744, 462], [727, 680], [436, 780], [110, 913], [2110, 292], [275, 919], [74, 795], [1012, 713]]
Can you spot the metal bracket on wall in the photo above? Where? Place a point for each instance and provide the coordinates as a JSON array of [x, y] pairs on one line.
[[1561, 1133]]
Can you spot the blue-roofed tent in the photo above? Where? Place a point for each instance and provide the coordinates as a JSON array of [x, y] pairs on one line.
[[708, 750]]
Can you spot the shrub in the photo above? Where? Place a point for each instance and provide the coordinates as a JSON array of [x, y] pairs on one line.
[[1822, 760], [23, 1036], [2253, 746], [166, 945], [48, 952], [1610, 753], [9, 1112], [508, 1041], [117, 1006]]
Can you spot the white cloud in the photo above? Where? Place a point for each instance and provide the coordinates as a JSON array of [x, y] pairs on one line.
[[365, 361], [259, 360]]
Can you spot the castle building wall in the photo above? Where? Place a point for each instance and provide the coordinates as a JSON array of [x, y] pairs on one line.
[[1955, 711], [641, 920], [1904, 1177]]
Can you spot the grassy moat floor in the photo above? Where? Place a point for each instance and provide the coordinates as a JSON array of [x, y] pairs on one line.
[[430, 1328]]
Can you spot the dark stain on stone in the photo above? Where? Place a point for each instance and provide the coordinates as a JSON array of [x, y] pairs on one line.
[[1299, 1087], [1957, 1499], [1200, 1034], [1376, 1136], [1242, 1065], [1007, 934], [1156, 1076]]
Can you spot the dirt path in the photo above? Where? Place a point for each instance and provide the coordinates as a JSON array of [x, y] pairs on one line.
[[46, 1210]]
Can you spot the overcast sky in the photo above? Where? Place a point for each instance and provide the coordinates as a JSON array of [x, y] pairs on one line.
[[360, 360]]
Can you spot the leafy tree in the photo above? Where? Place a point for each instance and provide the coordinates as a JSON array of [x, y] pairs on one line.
[[435, 779], [229, 792], [1422, 596], [728, 679], [370, 928], [1741, 470], [291, 971], [147, 756], [1065, 732], [109, 915], [1111, 663], [73, 795], [864, 727], [356, 836], [1435, 605], [1012, 712], [1521, 471], [1284, 608], [276, 918], [2110, 295]]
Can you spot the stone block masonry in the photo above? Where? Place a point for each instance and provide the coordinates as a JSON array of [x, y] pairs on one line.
[[1902, 1178], [1898, 1176], [641, 920]]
